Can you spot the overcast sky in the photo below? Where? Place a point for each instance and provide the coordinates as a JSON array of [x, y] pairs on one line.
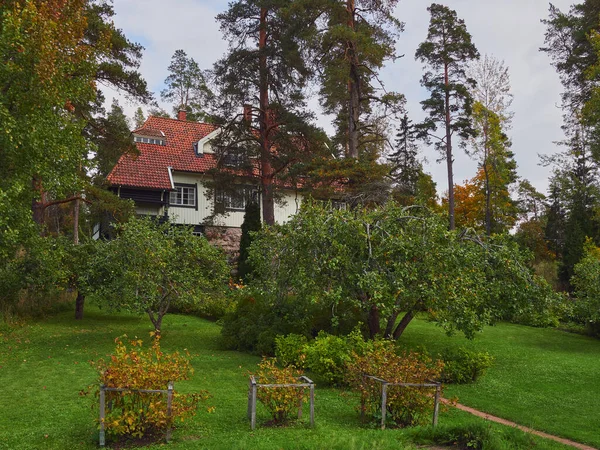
[[509, 30]]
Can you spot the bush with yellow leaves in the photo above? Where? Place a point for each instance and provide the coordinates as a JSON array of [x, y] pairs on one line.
[[280, 401], [137, 414]]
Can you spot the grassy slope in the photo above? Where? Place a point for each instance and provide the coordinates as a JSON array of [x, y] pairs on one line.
[[44, 365], [542, 378]]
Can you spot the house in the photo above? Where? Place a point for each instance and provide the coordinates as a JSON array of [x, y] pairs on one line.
[[169, 177]]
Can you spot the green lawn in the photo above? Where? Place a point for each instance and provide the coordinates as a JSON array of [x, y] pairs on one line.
[[44, 365], [545, 379]]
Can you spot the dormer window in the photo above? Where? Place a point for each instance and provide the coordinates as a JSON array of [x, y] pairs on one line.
[[149, 140]]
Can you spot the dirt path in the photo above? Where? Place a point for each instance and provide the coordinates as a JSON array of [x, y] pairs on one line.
[[520, 427]]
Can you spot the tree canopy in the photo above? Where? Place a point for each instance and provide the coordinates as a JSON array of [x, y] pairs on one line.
[[149, 267], [392, 262]]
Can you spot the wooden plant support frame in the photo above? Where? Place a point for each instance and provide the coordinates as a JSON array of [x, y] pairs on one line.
[[384, 387], [104, 389], [254, 386]]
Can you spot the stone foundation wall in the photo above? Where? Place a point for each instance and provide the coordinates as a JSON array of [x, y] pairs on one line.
[[226, 238]]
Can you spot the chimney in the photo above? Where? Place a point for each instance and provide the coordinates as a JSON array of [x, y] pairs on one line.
[[181, 114], [247, 113]]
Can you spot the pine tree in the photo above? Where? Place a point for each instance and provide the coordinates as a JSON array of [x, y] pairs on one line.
[[406, 168], [261, 102], [355, 40], [114, 141], [575, 196], [138, 118], [186, 87], [447, 52]]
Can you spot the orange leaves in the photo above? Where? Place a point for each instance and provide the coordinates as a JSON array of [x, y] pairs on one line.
[[282, 401], [407, 406], [133, 413]]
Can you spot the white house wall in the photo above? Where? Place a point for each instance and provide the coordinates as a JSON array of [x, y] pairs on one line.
[[190, 216]]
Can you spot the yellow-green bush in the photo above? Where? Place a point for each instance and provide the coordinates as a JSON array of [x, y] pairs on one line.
[[137, 414]]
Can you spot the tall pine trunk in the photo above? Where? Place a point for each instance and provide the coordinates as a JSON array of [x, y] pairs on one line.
[[449, 160], [353, 88], [266, 178]]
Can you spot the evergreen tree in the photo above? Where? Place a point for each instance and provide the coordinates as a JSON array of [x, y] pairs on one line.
[[186, 87], [261, 103], [554, 232], [356, 38], [575, 196], [252, 223], [447, 51], [138, 118], [351, 42], [114, 140], [406, 168]]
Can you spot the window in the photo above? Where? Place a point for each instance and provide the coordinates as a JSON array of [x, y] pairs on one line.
[[236, 198], [146, 140], [183, 195]]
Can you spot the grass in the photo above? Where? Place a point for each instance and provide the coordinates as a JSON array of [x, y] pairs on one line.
[[44, 365], [545, 379]]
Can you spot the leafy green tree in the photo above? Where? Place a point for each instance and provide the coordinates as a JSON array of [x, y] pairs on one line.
[[391, 263], [497, 168], [491, 119], [53, 56], [186, 87], [251, 224], [586, 281], [148, 267], [447, 51], [40, 135]]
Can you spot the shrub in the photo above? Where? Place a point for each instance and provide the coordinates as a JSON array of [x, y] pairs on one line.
[[586, 281], [465, 366], [289, 350], [406, 406], [282, 401], [327, 357], [135, 414], [211, 307], [258, 319]]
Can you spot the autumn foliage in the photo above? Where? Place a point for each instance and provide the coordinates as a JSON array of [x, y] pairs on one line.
[[281, 402], [406, 406], [137, 414]]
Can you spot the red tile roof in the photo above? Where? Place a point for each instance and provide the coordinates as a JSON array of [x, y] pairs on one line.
[[149, 169]]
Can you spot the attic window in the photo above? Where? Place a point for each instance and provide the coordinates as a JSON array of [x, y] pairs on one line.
[[147, 140]]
